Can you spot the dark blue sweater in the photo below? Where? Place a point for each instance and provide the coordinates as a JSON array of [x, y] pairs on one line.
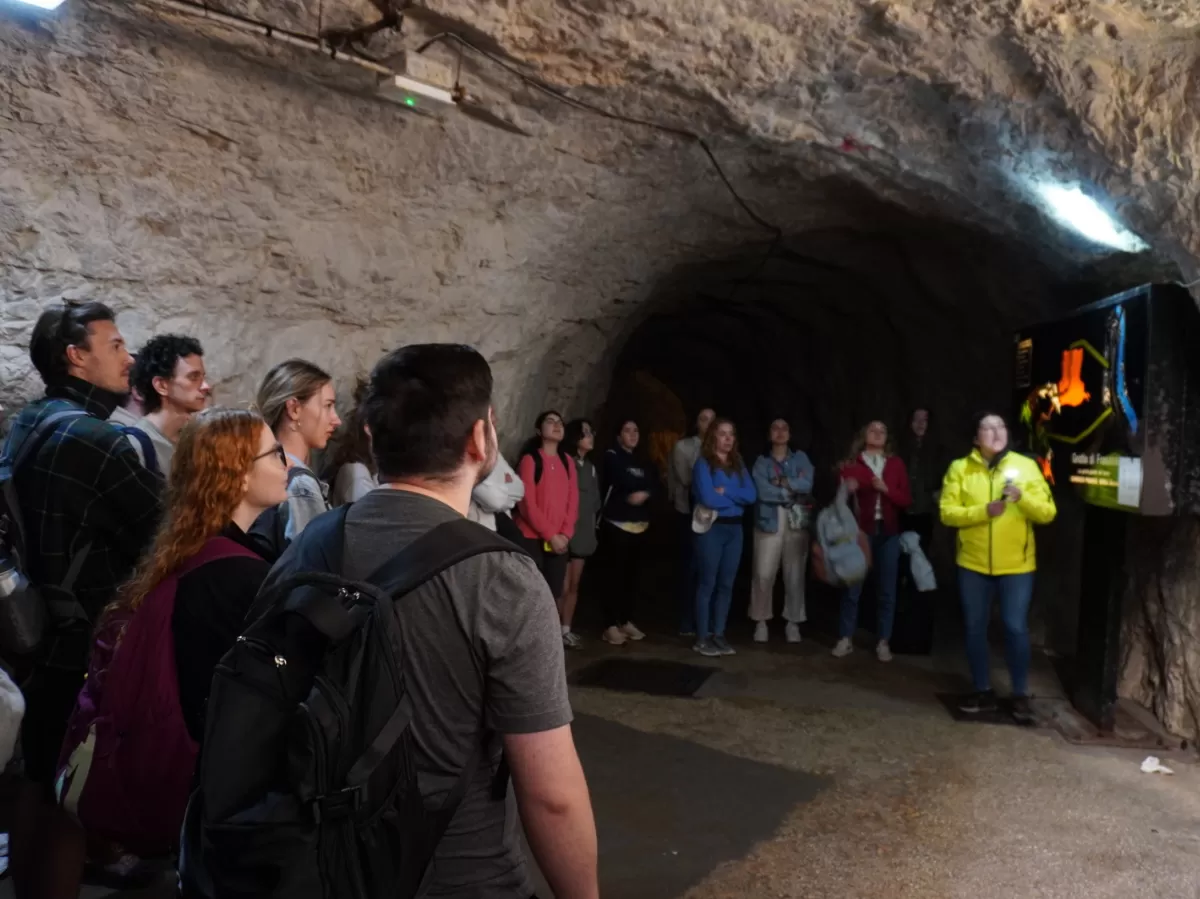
[[625, 474]]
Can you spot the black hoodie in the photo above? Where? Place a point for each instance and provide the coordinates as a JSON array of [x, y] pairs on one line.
[[625, 474]]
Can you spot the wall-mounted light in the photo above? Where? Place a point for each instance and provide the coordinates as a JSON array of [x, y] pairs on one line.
[[1075, 209]]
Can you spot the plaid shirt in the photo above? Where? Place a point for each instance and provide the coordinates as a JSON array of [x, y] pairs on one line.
[[86, 483]]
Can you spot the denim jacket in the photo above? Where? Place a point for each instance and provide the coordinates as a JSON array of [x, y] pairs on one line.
[[799, 473]]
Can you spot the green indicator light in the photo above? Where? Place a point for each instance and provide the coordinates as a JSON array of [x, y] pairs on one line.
[[409, 101]]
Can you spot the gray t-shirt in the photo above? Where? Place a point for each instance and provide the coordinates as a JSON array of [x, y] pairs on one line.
[[164, 449], [483, 657]]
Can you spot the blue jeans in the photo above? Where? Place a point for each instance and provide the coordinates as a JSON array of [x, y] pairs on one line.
[[687, 573], [718, 554], [1016, 592], [885, 559]]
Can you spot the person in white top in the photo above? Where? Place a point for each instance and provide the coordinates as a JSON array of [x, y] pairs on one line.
[[679, 487], [351, 468], [497, 494]]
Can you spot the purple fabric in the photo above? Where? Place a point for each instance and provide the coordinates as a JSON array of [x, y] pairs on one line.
[[133, 786]]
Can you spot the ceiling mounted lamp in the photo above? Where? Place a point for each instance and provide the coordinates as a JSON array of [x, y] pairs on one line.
[[1079, 212]]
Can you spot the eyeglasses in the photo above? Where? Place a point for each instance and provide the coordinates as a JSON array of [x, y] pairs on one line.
[[276, 450]]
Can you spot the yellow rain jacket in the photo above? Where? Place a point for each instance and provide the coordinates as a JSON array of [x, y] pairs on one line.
[[1001, 545]]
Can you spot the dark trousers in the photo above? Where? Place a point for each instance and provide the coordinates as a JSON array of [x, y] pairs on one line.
[[1016, 593], [622, 566], [686, 594], [922, 524], [552, 565], [49, 700], [718, 554]]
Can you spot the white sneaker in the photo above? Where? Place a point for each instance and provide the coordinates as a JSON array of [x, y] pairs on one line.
[[844, 647], [792, 632], [883, 652], [614, 636], [629, 629], [761, 634], [571, 640]]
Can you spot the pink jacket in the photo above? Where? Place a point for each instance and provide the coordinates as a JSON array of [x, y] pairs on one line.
[[550, 506]]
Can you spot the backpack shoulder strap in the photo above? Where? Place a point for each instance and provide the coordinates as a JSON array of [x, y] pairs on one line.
[[423, 559], [435, 551], [41, 433], [149, 453], [215, 550]]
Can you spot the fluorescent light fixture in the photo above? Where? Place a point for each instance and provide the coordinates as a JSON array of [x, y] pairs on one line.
[[43, 4], [1075, 209]]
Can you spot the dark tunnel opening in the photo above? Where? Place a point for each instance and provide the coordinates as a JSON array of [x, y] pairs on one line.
[[832, 328]]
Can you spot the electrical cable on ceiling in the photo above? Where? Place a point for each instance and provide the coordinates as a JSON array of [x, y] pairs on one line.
[[332, 44], [566, 98]]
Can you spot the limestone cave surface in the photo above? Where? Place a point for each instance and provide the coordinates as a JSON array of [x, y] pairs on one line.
[[264, 199]]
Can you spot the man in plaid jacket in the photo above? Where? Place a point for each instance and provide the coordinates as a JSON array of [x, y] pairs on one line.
[[84, 498]]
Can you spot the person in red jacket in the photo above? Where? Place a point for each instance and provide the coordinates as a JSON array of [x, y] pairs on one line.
[[546, 516], [878, 481]]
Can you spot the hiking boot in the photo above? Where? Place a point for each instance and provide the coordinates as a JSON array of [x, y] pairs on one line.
[[629, 629], [883, 652], [978, 703], [761, 634], [706, 648], [844, 648], [792, 632], [1023, 710], [723, 646], [614, 636]]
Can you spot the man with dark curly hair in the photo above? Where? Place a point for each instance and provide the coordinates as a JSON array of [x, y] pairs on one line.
[[169, 376]]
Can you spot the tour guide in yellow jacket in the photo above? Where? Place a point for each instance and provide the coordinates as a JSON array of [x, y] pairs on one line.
[[994, 498]]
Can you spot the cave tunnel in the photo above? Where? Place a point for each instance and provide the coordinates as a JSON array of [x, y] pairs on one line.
[[827, 212], [835, 327]]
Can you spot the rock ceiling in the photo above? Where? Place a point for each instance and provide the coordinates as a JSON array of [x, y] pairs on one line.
[[953, 106]]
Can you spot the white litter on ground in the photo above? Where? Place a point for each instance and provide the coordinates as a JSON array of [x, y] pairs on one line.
[[1153, 766]]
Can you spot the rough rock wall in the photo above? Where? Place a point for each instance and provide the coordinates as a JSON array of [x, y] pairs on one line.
[[207, 188], [973, 98], [1160, 667]]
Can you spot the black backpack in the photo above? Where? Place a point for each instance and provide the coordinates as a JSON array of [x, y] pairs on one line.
[[307, 787], [25, 607]]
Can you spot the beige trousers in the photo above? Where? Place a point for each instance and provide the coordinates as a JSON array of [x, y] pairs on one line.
[[791, 549]]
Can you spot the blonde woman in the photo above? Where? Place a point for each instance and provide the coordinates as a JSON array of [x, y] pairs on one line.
[[878, 480], [297, 400]]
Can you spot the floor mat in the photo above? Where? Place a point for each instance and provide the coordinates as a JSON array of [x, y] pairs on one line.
[[670, 811], [1002, 715], [653, 676]]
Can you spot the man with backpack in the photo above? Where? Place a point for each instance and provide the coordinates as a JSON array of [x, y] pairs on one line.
[[405, 661], [87, 510]]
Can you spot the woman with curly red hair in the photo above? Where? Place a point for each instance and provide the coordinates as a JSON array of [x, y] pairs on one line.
[[185, 605]]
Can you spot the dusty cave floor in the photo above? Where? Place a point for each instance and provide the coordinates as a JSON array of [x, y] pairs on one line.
[[798, 775], [794, 774]]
